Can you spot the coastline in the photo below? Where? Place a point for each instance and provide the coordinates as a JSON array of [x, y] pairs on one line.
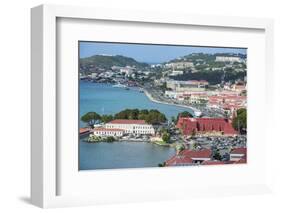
[[131, 141], [162, 102]]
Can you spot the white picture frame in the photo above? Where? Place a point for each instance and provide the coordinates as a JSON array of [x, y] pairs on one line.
[[44, 150]]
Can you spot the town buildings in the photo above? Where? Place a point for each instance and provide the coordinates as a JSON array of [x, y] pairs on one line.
[[127, 70], [190, 126], [229, 99], [189, 157], [227, 102], [131, 126], [238, 88], [228, 59], [192, 85], [176, 72], [198, 98], [180, 65]]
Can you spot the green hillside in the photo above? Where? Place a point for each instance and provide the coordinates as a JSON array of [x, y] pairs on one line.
[[106, 62]]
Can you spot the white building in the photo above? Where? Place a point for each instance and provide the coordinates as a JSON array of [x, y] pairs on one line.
[[108, 132], [198, 98], [176, 72], [228, 59], [171, 94], [131, 126], [127, 70], [191, 85], [94, 75], [180, 65]]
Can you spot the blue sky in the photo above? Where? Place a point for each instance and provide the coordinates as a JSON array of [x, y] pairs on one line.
[[148, 53]]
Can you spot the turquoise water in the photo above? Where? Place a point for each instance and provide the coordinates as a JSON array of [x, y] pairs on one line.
[[105, 99], [122, 155]]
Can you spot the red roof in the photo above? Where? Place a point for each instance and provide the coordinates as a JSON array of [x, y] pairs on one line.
[[107, 129], [241, 150], [186, 157], [204, 153], [83, 130], [127, 121], [178, 159]]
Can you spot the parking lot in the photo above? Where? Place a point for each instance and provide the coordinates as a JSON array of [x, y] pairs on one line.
[[223, 144]]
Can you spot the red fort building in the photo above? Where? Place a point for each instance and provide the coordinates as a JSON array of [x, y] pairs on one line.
[[189, 126]]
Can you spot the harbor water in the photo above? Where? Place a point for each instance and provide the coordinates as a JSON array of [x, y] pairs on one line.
[[105, 99]]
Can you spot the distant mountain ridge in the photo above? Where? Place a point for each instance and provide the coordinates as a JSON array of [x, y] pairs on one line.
[[107, 61]]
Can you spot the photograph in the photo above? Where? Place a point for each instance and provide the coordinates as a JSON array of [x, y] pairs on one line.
[[161, 105]]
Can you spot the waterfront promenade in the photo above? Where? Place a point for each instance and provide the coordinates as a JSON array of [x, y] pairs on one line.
[[150, 96]]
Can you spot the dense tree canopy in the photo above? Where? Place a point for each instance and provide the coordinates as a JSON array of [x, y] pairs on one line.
[[106, 118], [166, 137], [152, 116], [91, 118], [240, 121]]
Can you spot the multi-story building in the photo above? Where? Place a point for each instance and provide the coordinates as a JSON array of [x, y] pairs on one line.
[[198, 98], [180, 65], [127, 70], [190, 157], [139, 127], [228, 59], [192, 85], [171, 94], [176, 72], [190, 126]]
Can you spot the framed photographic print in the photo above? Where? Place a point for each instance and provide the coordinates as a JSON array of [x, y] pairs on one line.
[[149, 106], [167, 105]]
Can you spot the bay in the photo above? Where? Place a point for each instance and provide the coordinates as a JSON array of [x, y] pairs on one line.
[[122, 155], [105, 99]]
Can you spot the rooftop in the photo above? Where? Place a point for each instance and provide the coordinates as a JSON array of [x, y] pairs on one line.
[[83, 130], [186, 157], [127, 121], [204, 153], [107, 130], [209, 119], [240, 150], [176, 160]]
